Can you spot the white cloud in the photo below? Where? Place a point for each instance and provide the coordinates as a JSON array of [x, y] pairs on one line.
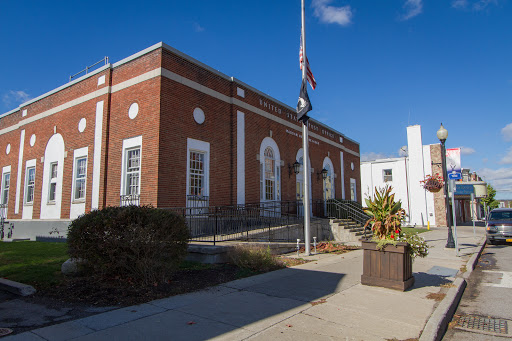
[[332, 15], [467, 150], [403, 151], [197, 27], [475, 5], [15, 97], [374, 156], [500, 179], [460, 4], [507, 132], [507, 159], [412, 8]]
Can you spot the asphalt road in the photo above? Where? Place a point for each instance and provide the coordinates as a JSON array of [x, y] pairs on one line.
[[487, 300]]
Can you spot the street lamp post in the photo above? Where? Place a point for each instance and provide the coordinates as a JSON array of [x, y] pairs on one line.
[[442, 135]]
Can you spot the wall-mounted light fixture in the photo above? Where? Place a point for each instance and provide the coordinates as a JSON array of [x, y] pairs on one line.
[[295, 168], [324, 172]]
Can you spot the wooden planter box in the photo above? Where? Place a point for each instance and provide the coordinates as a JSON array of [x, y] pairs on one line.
[[390, 267]]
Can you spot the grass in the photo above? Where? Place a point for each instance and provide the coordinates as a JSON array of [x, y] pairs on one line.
[[34, 263], [413, 230]]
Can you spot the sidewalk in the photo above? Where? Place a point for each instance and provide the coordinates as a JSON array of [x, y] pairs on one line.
[[319, 300]]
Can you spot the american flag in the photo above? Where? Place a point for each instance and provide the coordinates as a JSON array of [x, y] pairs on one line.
[[309, 74]]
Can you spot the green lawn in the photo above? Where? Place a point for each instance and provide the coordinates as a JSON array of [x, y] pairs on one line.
[[34, 263], [413, 230]]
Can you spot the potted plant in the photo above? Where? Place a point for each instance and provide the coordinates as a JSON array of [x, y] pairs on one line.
[[433, 183], [388, 255]]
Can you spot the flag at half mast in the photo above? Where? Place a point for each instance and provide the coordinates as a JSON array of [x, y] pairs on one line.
[[309, 73]]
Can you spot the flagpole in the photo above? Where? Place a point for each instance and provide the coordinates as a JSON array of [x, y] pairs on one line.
[[305, 146]]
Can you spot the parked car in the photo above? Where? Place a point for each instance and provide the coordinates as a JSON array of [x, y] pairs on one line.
[[499, 225]]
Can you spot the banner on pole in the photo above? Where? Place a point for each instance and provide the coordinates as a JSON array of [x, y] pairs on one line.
[[453, 166]]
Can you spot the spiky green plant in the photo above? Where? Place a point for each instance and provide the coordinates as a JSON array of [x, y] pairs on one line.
[[386, 214]]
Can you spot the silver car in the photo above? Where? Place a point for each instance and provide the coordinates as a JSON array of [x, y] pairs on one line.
[[499, 225]]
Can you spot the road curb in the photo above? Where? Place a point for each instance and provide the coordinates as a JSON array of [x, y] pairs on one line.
[[438, 322]]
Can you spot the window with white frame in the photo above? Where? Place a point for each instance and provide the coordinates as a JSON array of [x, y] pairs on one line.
[[6, 179], [52, 186], [196, 173], [30, 181], [80, 177], [270, 174], [132, 171], [387, 174]]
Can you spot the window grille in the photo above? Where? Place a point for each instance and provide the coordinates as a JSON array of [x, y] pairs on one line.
[[270, 176], [197, 173], [53, 181], [30, 181], [5, 188], [132, 171], [80, 174]]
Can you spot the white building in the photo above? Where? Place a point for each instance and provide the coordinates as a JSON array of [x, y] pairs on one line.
[[404, 175]]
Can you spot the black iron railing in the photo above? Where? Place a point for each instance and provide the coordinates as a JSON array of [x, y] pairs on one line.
[[266, 221], [129, 199], [346, 209]]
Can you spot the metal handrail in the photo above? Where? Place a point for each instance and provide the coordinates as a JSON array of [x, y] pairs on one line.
[[346, 209], [105, 59]]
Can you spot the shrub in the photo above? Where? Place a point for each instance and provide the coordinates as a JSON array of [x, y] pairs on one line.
[[140, 243], [254, 258]]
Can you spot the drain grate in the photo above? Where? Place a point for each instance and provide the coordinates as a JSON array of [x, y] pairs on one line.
[[484, 324]]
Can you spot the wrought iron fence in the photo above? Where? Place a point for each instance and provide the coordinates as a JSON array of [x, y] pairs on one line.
[[129, 199], [346, 209], [265, 221]]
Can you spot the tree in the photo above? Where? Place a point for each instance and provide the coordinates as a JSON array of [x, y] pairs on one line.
[[489, 200]]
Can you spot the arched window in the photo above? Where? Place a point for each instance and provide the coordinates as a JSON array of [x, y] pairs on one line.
[[270, 174], [328, 183], [270, 171]]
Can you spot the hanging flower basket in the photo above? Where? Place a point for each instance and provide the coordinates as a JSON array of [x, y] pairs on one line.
[[433, 183]]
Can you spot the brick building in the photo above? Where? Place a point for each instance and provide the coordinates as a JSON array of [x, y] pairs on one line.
[[160, 128]]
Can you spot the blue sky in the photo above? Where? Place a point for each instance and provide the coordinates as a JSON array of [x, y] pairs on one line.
[[380, 65]]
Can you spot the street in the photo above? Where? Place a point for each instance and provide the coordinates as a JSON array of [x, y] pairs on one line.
[[484, 312]]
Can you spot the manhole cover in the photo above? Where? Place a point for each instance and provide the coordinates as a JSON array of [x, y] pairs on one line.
[[5, 331], [484, 325]]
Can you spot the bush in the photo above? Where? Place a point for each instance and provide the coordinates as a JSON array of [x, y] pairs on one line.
[[254, 258], [138, 243]]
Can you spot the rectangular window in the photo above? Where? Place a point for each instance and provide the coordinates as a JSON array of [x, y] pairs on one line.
[[30, 181], [132, 172], [80, 175], [388, 175], [6, 179], [53, 182], [196, 173]]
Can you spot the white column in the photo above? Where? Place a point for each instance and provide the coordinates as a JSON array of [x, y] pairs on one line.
[[96, 167], [20, 168]]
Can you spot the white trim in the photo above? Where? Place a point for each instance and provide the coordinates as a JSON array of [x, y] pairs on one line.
[[96, 166], [130, 143], [328, 161], [28, 209], [5, 170], [240, 158], [20, 168], [53, 154], [78, 205], [187, 82], [269, 142], [353, 181]]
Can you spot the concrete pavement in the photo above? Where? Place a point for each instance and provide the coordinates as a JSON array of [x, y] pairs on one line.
[[323, 299]]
